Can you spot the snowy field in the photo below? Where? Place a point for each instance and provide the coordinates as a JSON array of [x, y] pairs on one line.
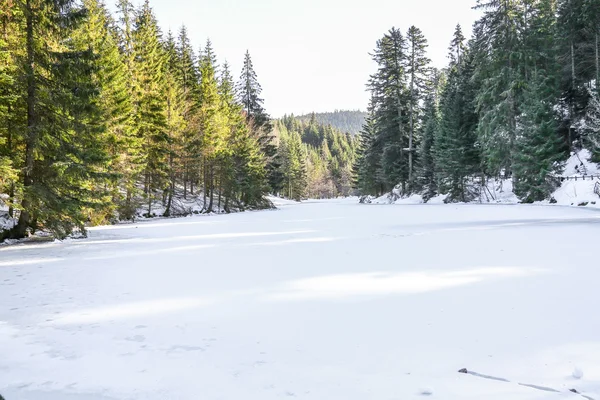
[[321, 300]]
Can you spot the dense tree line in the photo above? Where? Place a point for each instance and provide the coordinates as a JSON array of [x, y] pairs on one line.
[[101, 115], [513, 101], [316, 159], [343, 120]]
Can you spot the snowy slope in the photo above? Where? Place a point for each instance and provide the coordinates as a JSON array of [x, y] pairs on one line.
[[319, 300], [571, 193]]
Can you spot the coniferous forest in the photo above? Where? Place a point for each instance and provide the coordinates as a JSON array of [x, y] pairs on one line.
[[344, 120], [513, 102], [104, 115]]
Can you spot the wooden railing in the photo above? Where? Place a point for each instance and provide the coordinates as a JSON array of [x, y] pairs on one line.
[[578, 178]]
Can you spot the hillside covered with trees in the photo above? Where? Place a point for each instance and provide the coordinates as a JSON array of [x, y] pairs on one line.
[[316, 159], [345, 121], [514, 100], [101, 115]]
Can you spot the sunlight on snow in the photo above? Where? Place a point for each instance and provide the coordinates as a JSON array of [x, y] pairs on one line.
[[291, 241], [385, 283], [146, 252], [11, 263], [166, 223], [130, 310], [192, 237]]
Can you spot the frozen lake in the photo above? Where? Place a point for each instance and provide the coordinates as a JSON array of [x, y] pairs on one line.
[[321, 300]]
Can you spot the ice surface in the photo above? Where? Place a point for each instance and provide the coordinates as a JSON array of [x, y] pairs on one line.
[[321, 300]]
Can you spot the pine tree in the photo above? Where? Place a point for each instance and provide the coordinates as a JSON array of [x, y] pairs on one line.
[[212, 124], [114, 101], [63, 143], [150, 103], [427, 181], [501, 69], [293, 166], [367, 162], [592, 124], [175, 119], [456, 152], [249, 91], [457, 46], [578, 38], [538, 149], [9, 121], [390, 110], [418, 72], [538, 154], [189, 80], [243, 176]]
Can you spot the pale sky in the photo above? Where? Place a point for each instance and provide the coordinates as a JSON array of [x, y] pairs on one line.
[[311, 55]]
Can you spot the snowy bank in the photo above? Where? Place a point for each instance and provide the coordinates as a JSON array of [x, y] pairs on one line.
[[580, 178]]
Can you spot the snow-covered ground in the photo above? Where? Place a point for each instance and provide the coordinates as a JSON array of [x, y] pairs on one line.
[[321, 300], [571, 192]]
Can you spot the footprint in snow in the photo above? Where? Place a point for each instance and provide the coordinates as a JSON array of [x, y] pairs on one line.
[[136, 338]]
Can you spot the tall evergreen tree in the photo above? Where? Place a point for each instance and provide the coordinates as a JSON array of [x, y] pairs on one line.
[[427, 177], [293, 166], [63, 140], [244, 174], [114, 101], [391, 105], [456, 148], [249, 91], [175, 119], [150, 103], [189, 81], [418, 72], [501, 69], [537, 156], [367, 165], [212, 124], [10, 109]]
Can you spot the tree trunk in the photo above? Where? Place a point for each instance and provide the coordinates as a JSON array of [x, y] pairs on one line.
[[412, 120], [212, 188], [24, 222], [204, 188], [149, 198], [185, 176], [220, 191], [597, 65], [9, 144]]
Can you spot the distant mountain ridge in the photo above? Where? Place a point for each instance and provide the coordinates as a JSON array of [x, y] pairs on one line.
[[345, 120]]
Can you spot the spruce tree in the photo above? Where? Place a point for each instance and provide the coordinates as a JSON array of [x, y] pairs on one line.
[[175, 120], [418, 72], [501, 69], [9, 88], [249, 91], [592, 131], [426, 172], [244, 167], [212, 124], [189, 81], [150, 103], [368, 161], [456, 150], [114, 101], [391, 106], [64, 150], [538, 155]]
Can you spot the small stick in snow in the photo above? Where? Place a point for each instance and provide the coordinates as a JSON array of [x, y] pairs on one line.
[[537, 387]]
